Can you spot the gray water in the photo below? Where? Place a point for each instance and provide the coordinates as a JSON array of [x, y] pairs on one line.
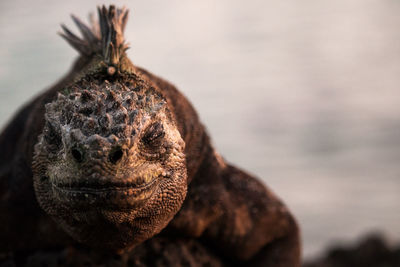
[[303, 94]]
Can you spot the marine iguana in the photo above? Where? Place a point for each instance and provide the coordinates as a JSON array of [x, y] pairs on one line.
[[112, 155]]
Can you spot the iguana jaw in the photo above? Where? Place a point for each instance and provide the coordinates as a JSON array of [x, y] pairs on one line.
[[112, 195]]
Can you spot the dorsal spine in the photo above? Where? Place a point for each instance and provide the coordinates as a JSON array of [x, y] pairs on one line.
[[105, 38]]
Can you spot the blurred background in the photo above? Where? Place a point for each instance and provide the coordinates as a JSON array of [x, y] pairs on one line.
[[303, 94]]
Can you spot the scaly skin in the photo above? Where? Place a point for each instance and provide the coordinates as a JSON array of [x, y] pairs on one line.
[[112, 155]]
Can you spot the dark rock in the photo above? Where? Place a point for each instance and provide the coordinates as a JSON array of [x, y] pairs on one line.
[[371, 251]]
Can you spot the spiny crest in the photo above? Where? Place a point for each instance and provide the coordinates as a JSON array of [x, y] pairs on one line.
[[102, 108], [105, 37]]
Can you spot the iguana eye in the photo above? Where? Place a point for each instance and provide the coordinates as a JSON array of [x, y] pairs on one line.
[[154, 133]]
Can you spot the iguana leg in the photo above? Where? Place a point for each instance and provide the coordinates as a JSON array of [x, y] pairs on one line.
[[237, 215]]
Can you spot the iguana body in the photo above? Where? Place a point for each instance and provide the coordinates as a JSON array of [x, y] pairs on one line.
[[114, 176]]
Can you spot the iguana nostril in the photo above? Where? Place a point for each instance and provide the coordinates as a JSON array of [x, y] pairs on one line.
[[77, 154], [115, 155]]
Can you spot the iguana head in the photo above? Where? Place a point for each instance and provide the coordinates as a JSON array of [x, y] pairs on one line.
[[109, 165]]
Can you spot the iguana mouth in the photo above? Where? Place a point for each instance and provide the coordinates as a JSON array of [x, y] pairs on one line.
[[110, 194], [93, 186]]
